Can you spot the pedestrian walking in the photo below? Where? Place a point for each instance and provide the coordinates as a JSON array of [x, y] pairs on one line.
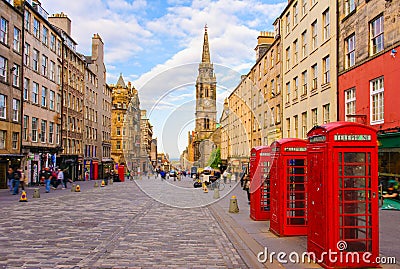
[[61, 178], [225, 175], [10, 178], [16, 179], [23, 180], [246, 185], [46, 176]]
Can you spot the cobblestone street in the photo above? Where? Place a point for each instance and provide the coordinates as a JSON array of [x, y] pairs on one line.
[[117, 226]]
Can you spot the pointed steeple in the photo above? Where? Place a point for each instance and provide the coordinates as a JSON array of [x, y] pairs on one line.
[[121, 81], [206, 51]]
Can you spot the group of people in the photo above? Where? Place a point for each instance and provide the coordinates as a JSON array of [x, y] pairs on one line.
[[53, 178], [15, 179]]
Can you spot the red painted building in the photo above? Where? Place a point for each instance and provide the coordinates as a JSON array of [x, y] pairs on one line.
[[369, 74]]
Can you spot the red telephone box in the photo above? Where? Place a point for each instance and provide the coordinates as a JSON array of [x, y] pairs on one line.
[[289, 187], [121, 172], [260, 159], [342, 170]]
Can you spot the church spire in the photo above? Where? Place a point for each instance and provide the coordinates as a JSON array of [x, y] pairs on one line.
[[206, 51]]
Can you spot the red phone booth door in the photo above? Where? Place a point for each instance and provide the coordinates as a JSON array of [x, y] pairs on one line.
[[317, 219], [356, 192], [295, 190]]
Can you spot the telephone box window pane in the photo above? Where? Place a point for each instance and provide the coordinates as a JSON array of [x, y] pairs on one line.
[[354, 170], [354, 157], [354, 183]]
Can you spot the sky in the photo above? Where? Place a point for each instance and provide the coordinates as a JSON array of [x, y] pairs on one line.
[[157, 46]]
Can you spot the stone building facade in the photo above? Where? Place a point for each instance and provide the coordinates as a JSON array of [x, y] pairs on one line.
[[11, 65], [73, 85], [309, 65]]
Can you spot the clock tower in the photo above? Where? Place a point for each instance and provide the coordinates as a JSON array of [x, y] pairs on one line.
[[206, 84], [206, 110]]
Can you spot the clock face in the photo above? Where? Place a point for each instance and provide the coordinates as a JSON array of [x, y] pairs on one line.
[[207, 102]]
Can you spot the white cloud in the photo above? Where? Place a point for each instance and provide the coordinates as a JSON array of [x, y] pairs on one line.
[[159, 50]]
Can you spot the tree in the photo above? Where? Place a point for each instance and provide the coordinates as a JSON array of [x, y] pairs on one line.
[[215, 159]]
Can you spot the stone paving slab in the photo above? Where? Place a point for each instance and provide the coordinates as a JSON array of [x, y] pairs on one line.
[[117, 226]]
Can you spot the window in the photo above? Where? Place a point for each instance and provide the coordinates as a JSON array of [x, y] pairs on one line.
[[296, 87], [272, 88], [304, 44], [15, 111], [3, 69], [58, 133], [53, 42], [35, 64], [3, 31], [27, 20], [350, 104], [271, 117], [304, 125], [58, 47], [36, 28], [43, 129], [326, 115], [206, 123], [52, 97], [26, 89], [3, 138], [295, 52], [118, 145], [58, 103], [44, 65], [58, 75], [15, 138], [314, 117], [15, 75], [326, 21], [278, 113], [287, 92], [52, 71], [288, 23], [314, 70], [25, 128], [35, 93], [377, 101], [27, 54], [376, 30], [287, 127], [304, 83], [17, 40], [295, 14], [45, 36], [3, 106], [51, 132], [350, 51], [44, 96], [272, 58], [34, 129], [349, 6], [304, 8], [278, 84], [118, 131], [288, 58], [296, 126], [314, 35], [326, 66]]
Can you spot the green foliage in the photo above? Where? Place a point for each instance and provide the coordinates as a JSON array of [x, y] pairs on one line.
[[215, 159]]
